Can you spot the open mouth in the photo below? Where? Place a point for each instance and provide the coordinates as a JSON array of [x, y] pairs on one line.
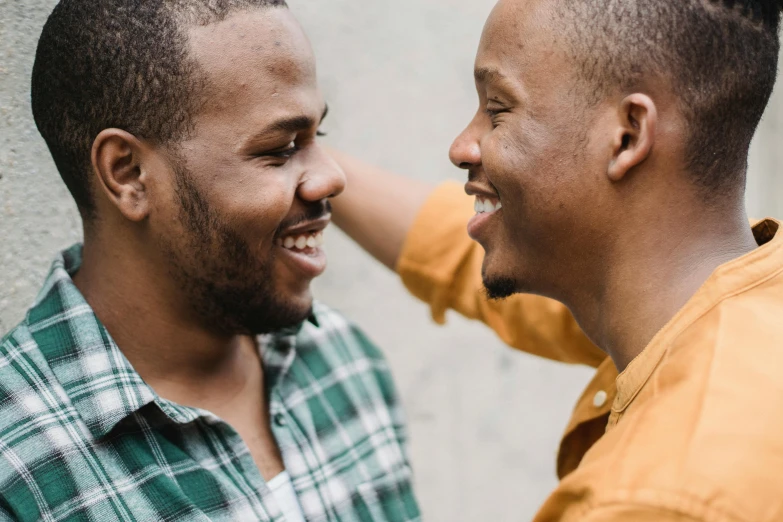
[[301, 249], [486, 205], [302, 241], [486, 208]]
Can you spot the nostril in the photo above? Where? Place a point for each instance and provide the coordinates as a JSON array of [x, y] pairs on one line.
[[465, 165]]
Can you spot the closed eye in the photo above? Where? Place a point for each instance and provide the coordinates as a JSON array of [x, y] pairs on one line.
[[494, 112], [285, 153]]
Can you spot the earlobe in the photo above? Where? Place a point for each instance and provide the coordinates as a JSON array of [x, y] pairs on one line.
[[634, 135], [117, 159]]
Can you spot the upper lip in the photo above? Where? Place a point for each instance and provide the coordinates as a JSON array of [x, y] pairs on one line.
[[474, 188], [308, 227]]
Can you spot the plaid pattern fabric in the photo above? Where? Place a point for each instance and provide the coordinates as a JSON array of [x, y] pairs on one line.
[[82, 437]]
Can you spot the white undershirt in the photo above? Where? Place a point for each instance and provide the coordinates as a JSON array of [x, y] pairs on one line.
[[283, 489]]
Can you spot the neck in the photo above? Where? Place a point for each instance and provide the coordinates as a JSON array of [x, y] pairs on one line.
[[143, 310], [651, 279]]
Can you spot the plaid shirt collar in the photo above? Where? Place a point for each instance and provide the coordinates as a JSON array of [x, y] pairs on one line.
[[83, 352]]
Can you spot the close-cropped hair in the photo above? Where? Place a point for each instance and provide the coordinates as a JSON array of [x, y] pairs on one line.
[[719, 58], [119, 64]]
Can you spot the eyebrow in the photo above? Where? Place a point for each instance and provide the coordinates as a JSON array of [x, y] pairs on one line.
[[296, 123], [488, 74]]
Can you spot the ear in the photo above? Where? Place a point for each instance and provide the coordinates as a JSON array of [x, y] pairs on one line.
[[117, 158], [634, 135]]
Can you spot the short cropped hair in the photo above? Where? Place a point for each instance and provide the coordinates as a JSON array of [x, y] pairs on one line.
[[720, 58], [118, 64]]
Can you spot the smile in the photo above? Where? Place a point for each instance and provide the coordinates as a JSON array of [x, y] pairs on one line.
[[302, 241], [485, 205], [300, 248]]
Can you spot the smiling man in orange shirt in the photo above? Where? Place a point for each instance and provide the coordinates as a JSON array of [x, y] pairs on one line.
[[607, 159]]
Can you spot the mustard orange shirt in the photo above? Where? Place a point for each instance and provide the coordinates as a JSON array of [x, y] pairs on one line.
[[692, 430]]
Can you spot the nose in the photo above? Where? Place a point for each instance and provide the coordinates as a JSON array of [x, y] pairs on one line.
[[323, 179], [465, 152]]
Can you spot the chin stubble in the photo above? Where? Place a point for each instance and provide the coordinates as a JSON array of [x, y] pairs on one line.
[[500, 287]]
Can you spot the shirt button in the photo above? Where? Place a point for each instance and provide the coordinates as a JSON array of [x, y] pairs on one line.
[[600, 399], [280, 420]]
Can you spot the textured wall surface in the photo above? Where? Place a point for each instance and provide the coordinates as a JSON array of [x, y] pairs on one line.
[[485, 420]]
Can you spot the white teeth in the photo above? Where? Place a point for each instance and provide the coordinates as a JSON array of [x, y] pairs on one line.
[[482, 206], [313, 240]]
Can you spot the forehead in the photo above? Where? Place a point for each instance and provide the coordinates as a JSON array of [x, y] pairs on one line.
[[519, 42], [259, 56]]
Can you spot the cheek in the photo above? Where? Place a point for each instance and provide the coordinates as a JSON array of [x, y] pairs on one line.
[[502, 153], [517, 153], [511, 162], [538, 183], [257, 205], [535, 163], [262, 218]]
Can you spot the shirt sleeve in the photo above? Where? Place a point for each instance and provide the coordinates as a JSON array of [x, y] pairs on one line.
[[441, 265], [640, 513]]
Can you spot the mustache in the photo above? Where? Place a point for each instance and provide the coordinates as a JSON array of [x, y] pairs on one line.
[[312, 212]]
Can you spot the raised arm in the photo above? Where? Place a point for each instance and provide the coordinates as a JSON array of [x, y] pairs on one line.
[[420, 231], [379, 208]]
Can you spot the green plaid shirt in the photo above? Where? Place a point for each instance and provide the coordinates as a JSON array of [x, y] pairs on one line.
[[82, 437]]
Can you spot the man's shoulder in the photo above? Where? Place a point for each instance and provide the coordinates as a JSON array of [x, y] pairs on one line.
[[30, 399], [19, 354], [735, 345], [23, 370], [748, 322], [719, 387]]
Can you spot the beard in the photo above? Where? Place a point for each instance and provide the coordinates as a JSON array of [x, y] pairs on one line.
[[499, 287], [228, 287]]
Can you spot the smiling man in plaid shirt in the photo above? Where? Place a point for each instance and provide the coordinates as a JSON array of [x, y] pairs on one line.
[[174, 367]]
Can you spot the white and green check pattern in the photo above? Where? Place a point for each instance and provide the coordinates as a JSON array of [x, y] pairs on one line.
[[82, 437]]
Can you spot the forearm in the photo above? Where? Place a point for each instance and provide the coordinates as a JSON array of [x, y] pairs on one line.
[[377, 208]]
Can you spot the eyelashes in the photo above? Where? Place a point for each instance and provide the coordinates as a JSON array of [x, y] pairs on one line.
[[291, 150], [493, 114]]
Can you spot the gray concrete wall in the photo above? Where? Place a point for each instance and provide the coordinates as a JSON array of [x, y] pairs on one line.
[[485, 420]]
